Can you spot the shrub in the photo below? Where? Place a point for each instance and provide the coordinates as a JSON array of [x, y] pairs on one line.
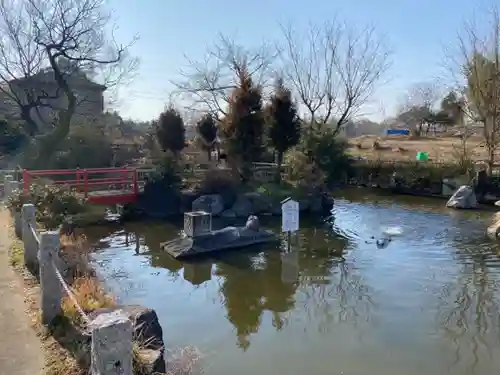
[[53, 203], [89, 295], [301, 170], [219, 181], [168, 171], [329, 155]]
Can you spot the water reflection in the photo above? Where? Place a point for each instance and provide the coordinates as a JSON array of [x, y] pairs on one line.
[[433, 293]]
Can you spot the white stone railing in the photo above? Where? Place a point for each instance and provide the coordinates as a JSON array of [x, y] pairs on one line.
[[111, 333]]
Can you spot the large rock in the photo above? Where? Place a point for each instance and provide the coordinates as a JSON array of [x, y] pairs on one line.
[[212, 203], [243, 206], [147, 327], [464, 197], [148, 332], [260, 202]]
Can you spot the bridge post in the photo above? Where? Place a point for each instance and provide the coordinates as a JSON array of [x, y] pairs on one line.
[[134, 182], [78, 179], [26, 181], [85, 183]]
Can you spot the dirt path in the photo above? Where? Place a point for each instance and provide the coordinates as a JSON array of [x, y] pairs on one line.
[[20, 349]]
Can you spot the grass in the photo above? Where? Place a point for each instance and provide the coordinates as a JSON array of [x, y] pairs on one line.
[[400, 148]]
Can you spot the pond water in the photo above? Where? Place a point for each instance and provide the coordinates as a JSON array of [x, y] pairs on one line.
[[429, 303]]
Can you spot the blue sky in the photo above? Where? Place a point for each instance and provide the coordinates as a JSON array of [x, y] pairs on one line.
[[416, 30]]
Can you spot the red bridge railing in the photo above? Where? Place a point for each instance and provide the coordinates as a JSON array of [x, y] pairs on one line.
[[115, 181]]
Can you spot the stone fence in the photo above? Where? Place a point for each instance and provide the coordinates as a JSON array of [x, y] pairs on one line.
[[111, 332]]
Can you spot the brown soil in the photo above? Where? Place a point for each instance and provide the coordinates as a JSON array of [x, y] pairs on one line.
[[441, 149]]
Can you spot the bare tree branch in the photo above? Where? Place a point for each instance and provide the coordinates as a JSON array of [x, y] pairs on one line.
[[477, 70], [207, 84], [334, 69], [47, 50]]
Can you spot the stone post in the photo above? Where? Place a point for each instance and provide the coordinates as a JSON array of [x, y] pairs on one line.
[[30, 243], [50, 285], [111, 348], [7, 186]]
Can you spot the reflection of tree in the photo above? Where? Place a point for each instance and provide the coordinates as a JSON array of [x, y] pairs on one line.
[[153, 235], [469, 307], [343, 298], [249, 290]]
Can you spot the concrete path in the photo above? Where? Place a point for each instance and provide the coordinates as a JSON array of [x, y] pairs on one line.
[[20, 349]]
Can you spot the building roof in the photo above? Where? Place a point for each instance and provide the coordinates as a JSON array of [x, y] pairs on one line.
[[47, 77]]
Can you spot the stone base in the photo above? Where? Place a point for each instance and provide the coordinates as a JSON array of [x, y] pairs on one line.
[[218, 240]]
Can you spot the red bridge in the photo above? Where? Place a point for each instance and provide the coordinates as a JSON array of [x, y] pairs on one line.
[[105, 186]]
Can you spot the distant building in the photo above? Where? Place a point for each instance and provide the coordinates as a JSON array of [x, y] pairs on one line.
[[90, 96]]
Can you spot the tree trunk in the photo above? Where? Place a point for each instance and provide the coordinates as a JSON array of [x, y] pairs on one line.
[[278, 169]]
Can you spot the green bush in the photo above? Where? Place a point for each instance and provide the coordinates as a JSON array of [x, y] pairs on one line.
[[329, 154], [54, 204], [168, 171], [301, 170]]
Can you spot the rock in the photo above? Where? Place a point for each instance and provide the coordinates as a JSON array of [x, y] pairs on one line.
[[260, 202], [217, 240], [493, 230], [228, 214], [276, 209], [149, 361], [147, 328], [242, 207], [464, 197], [212, 203]]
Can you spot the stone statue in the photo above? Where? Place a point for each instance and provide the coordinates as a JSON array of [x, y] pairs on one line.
[[253, 223]]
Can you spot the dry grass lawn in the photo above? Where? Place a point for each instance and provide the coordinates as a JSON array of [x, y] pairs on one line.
[[405, 148]]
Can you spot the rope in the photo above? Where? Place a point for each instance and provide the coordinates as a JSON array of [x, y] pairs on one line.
[[70, 294], [35, 234]]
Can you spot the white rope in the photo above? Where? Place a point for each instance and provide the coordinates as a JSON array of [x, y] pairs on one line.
[[70, 294], [35, 234]]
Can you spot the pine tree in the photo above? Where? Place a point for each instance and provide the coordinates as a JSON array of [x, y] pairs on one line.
[[282, 121], [170, 131], [243, 126]]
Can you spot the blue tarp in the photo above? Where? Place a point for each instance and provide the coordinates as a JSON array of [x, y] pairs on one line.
[[398, 132]]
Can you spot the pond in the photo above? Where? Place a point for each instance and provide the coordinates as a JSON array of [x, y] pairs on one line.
[[429, 303]]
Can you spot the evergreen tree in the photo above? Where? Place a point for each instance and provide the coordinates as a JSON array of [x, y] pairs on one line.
[[207, 133], [283, 124], [243, 126], [170, 131]]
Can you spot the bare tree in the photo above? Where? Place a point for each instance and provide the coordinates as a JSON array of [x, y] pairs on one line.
[[333, 69], [207, 85], [58, 41], [479, 69], [418, 106]]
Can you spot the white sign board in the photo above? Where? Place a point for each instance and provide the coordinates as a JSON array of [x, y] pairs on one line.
[[290, 215]]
